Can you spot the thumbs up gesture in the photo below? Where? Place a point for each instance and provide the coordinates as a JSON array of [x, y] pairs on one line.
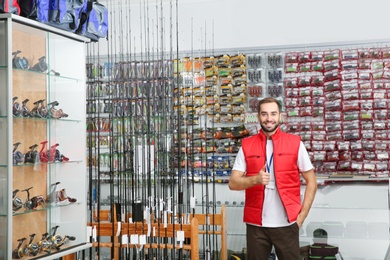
[[263, 176]]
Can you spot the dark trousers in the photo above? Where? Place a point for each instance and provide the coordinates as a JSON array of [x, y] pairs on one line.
[[261, 239]]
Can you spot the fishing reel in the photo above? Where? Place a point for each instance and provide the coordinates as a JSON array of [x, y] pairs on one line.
[[17, 156], [64, 241], [33, 248], [47, 156], [20, 251], [34, 202], [16, 107], [17, 202], [57, 241], [19, 62], [44, 244], [59, 157], [25, 110], [57, 196], [32, 156], [41, 65], [54, 112], [52, 154], [39, 110]]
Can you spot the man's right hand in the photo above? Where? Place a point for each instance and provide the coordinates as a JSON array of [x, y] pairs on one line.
[[263, 177]]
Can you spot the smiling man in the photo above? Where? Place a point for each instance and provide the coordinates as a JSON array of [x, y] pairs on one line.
[[268, 167]]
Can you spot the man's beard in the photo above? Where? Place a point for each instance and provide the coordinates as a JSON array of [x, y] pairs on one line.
[[269, 130]]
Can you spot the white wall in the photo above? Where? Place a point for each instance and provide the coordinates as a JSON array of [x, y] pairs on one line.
[[238, 24]]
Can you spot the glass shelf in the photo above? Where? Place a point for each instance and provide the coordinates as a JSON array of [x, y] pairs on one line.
[[47, 119], [64, 251], [49, 74], [50, 206], [50, 163]]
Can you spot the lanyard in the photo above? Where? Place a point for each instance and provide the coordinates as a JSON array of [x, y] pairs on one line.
[[270, 163]]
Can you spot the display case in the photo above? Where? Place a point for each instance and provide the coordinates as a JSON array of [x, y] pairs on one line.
[[42, 133]]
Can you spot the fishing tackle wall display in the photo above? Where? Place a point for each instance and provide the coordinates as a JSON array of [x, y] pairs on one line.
[[341, 97], [212, 103]]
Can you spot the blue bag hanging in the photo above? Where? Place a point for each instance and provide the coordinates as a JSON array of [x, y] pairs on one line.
[[65, 14], [9, 6], [57, 10], [94, 21], [78, 7], [35, 9]]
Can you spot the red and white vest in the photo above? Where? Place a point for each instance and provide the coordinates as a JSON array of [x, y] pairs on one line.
[[286, 147]]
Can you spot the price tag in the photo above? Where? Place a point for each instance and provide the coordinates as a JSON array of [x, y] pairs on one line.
[[161, 204], [142, 239], [192, 202], [169, 206], [134, 239], [118, 232], [180, 235], [125, 239], [94, 233], [89, 231], [165, 219]]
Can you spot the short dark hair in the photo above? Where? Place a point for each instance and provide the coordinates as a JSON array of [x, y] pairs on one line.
[[269, 100]]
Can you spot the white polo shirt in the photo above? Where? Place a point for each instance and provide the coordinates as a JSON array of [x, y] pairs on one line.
[[274, 214]]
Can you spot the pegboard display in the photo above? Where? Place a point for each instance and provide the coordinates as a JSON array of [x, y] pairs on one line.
[[337, 101], [211, 101]]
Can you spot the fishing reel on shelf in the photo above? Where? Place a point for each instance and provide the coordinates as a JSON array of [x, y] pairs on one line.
[[25, 110], [19, 62], [48, 155], [54, 239], [40, 66], [20, 251], [64, 241], [34, 202], [55, 112], [59, 157], [39, 110], [32, 156], [59, 196], [17, 202], [17, 156], [16, 107], [44, 244], [33, 248], [57, 241], [20, 110], [51, 155]]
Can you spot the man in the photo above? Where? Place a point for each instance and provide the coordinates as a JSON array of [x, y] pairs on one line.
[[268, 167]]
